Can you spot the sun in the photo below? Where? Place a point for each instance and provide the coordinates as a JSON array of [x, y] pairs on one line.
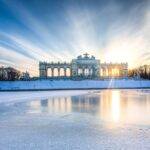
[[121, 52]]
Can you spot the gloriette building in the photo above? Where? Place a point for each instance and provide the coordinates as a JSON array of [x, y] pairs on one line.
[[83, 67]]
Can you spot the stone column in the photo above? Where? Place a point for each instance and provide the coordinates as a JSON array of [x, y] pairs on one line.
[[102, 73], [58, 72], [65, 74], [105, 72], [126, 73], [43, 73], [46, 72], [97, 72], [42, 70], [120, 73], [109, 72], [90, 71], [83, 71], [52, 72], [126, 70], [94, 72]]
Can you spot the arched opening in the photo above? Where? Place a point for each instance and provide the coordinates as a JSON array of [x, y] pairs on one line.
[[115, 72], [49, 72], [101, 72], [62, 73], [106, 74], [109, 72], [86, 71], [55, 72], [80, 71], [68, 72]]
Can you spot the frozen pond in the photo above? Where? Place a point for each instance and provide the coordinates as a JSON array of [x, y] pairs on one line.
[[96, 119]]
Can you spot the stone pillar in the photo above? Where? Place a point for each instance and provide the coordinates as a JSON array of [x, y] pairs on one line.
[[109, 72], [58, 72], [97, 72], [94, 72], [106, 72], [65, 73], [126, 73], [83, 72], [90, 71], [43, 73], [74, 69], [42, 70], [120, 72], [103, 72], [52, 72], [126, 70]]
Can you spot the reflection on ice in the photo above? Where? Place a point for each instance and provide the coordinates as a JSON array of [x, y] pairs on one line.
[[108, 105], [104, 119], [115, 105], [51, 105]]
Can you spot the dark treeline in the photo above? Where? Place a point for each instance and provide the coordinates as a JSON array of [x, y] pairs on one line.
[[140, 72], [11, 74]]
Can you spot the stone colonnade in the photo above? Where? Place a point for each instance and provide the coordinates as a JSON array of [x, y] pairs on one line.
[[114, 70], [87, 70], [58, 71], [58, 67]]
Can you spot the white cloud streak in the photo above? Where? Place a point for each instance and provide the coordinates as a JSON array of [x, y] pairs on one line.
[[105, 33]]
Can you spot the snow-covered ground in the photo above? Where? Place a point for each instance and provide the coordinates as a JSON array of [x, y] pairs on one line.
[[70, 84], [75, 120]]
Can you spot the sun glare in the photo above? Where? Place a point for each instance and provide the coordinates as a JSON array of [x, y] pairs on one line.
[[115, 72], [124, 51]]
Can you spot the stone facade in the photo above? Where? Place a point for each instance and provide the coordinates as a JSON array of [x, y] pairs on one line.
[[84, 67], [44, 66], [114, 69]]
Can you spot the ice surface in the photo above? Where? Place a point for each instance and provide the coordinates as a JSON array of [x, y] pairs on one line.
[[72, 120], [32, 95]]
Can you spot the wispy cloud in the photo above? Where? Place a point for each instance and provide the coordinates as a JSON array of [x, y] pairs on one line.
[[108, 32], [131, 39]]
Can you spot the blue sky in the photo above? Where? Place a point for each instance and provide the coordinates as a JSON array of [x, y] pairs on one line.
[[59, 30]]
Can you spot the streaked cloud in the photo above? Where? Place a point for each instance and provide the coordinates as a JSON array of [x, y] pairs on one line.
[[108, 31]]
